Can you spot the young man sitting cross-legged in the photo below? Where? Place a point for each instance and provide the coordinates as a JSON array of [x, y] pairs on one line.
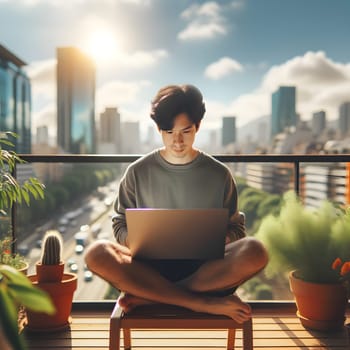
[[178, 175]]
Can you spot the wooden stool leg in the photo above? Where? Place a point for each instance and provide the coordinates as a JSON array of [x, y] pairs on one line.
[[114, 327], [248, 335], [114, 334], [231, 336], [127, 338]]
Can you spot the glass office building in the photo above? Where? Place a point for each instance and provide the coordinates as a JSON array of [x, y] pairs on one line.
[[15, 100], [75, 101], [283, 114]]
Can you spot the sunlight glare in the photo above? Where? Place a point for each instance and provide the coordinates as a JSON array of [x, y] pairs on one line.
[[101, 46]]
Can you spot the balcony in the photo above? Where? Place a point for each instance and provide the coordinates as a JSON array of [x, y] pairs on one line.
[[275, 325]]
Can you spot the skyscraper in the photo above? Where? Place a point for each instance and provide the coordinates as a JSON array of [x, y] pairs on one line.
[[75, 101], [318, 122], [228, 130], [131, 137], [109, 141], [283, 114], [344, 118], [15, 100]]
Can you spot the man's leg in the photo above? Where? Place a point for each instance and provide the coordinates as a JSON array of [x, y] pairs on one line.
[[108, 261], [243, 259]]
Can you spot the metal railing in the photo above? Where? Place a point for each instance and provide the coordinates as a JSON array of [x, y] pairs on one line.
[[239, 158], [294, 159]]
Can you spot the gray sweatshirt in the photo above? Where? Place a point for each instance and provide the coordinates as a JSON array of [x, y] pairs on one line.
[[152, 182]]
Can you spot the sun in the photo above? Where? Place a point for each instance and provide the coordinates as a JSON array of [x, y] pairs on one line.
[[101, 45]]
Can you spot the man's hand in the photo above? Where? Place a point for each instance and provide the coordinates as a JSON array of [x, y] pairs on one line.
[[123, 253]]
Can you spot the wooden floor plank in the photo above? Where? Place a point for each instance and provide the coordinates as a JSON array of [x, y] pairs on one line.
[[90, 330]]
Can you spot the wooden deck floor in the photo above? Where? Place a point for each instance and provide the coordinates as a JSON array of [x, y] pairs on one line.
[[273, 328]]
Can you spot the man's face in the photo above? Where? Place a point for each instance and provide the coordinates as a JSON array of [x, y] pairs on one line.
[[178, 141]]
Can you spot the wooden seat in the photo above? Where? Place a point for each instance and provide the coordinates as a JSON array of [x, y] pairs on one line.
[[162, 316]]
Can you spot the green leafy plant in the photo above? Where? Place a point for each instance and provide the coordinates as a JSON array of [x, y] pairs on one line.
[[17, 290], [11, 191], [7, 257], [306, 240]]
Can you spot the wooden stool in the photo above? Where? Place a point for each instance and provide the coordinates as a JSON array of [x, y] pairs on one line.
[[162, 316]]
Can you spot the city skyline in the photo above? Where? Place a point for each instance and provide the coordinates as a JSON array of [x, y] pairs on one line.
[[236, 52]]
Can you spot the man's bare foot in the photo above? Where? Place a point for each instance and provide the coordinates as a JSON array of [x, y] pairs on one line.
[[231, 306], [129, 301]]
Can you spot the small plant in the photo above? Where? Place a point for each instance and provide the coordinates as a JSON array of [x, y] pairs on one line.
[[306, 240], [52, 248], [11, 191], [16, 289], [343, 269], [7, 257]]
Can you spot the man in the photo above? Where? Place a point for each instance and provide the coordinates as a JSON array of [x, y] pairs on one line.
[[179, 176]]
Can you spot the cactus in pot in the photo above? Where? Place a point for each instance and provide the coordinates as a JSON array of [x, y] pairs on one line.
[[51, 254], [60, 286], [51, 266]]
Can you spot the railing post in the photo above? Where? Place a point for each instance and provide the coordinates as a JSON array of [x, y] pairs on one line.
[[13, 217], [297, 177]]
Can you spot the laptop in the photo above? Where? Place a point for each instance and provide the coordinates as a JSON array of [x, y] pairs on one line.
[[177, 233]]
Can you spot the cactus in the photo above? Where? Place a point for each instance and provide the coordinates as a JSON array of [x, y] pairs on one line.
[[52, 248]]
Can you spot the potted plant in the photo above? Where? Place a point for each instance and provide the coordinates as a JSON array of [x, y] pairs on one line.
[[60, 286], [303, 244], [12, 259], [50, 267], [15, 290], [12, 192]]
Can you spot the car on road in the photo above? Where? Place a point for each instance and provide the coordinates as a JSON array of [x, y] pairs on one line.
[[88, 275], [70, 262], [23, 249], [74, 268], [79, 248]]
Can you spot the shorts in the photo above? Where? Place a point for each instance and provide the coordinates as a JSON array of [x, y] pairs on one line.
[[177, 270]]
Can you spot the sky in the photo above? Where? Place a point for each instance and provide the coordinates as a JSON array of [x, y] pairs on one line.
[[237, 52]]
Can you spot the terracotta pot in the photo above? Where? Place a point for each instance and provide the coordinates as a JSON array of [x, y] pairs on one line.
[[49, 273], [61, 294], [321, 306], [24, 269]]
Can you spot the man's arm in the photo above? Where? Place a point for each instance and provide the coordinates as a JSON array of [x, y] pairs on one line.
[[125, 199], [236, 226]]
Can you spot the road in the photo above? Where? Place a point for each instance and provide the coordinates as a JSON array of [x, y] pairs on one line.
[[100, 215]]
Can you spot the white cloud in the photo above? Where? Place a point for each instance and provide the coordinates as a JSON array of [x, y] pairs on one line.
[[223, 67], [139, 60], [119, 93], [322, 84], [238, 4], [138, 2], [42, 76], [205, 22], [42, 72], [142, 59]]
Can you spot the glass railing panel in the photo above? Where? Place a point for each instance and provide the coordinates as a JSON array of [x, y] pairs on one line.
[[78, 203], [79, 197]]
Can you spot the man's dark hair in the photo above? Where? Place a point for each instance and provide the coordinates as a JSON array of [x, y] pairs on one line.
[[173, 100]]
